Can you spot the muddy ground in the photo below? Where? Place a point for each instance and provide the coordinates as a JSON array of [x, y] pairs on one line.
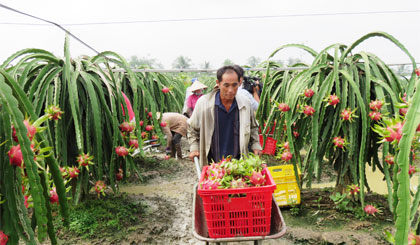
[[168, 196], [169, 217]]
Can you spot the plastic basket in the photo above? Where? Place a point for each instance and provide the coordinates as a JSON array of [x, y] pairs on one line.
[[238, 212], [287, 191], [270, 145]]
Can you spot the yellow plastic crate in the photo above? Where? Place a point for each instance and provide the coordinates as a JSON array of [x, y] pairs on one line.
[[287, 191]]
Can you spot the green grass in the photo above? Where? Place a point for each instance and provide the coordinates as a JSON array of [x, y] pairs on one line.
[[103, 217]]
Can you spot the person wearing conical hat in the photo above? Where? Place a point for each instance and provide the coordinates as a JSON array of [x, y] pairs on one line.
[[197, 91]]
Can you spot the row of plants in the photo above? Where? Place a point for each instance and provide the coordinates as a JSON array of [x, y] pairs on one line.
[[352, 110], [334, 102], [88, 143]]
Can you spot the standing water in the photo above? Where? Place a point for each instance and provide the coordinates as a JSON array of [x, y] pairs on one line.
[[376, 181]]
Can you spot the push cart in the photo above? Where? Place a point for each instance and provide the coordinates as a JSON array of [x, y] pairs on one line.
[[199, 226]]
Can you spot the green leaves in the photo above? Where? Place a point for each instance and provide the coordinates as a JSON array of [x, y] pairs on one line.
[[357, 79]]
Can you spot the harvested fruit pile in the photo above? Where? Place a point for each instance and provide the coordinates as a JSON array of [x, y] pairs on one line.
[[232, 173]]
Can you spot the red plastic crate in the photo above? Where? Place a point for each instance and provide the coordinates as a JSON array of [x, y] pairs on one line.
[[270, 145], [238, 212]]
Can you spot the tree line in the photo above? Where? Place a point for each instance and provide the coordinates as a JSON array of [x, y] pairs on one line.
[[184, 62]]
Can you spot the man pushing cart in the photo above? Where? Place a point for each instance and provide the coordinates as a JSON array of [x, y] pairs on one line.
[[223, 123]]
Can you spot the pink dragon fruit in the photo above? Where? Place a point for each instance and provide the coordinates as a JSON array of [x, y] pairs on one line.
[[15, 156], [239, 183], [257, 179], [370, 210], [53, 196], [210, 184]]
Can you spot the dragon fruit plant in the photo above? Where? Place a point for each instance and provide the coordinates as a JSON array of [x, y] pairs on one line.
[[232, 173]]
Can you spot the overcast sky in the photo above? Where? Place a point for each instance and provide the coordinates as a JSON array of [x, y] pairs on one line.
[[164, 29]]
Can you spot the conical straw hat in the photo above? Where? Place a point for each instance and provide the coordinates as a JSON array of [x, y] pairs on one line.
[[196, 86]]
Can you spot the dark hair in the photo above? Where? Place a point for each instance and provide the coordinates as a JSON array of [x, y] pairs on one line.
[[227, 69], [240, 70]]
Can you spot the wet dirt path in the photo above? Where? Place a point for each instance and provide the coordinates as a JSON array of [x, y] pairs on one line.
[[169, 219]]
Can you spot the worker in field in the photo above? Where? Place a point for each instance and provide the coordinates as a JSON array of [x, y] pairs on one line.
[[174, 126], [197, 90], [250, 88], [223, 123], [188, 92]]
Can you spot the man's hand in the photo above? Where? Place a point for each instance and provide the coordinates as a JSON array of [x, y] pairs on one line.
[[194, 154], [257, 152]]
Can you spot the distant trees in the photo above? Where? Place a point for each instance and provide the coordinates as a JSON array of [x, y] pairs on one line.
[[181, 62], [253, 61], [291, 61], [184, 62], [228, 62], [205, 65], [144, 62]]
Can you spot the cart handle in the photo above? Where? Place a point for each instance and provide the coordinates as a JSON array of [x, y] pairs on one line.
[[197, 167]]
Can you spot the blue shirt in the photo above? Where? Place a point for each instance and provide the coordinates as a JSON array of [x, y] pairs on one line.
[[226, 134]]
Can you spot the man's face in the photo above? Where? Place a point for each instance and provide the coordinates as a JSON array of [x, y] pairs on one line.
[[228, 86]]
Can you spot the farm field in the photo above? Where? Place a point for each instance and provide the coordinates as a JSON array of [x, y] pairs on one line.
[[83, 155]]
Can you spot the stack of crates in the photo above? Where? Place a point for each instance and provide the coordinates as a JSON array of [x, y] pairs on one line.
[[287, 191]]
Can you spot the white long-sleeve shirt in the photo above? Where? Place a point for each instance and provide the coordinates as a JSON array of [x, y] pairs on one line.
[[254, 103]]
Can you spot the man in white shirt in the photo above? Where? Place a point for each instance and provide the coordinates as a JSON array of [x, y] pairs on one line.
[[254, 97]]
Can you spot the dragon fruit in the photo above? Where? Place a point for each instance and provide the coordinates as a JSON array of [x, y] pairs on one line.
[[286, 156], [73, 172], [403, 111], [54, 112], [333, 100], [3, 238], [143, 135], [308, 93], [121, 151], [257, 179], [53, 196], [339, 142], [411, 170], [308, 110], [100, 187], [215, 171], [354, 189], [284, 107], [84, 159], [127, 127], [134, 143], [26, 202], [210, 185], [370, 210], [239, 183], [165, 90], [119, 175], [31, 129], [15, 156], [347, 115], [395, 132], [375, 115], [375, 105], [389, 159]]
